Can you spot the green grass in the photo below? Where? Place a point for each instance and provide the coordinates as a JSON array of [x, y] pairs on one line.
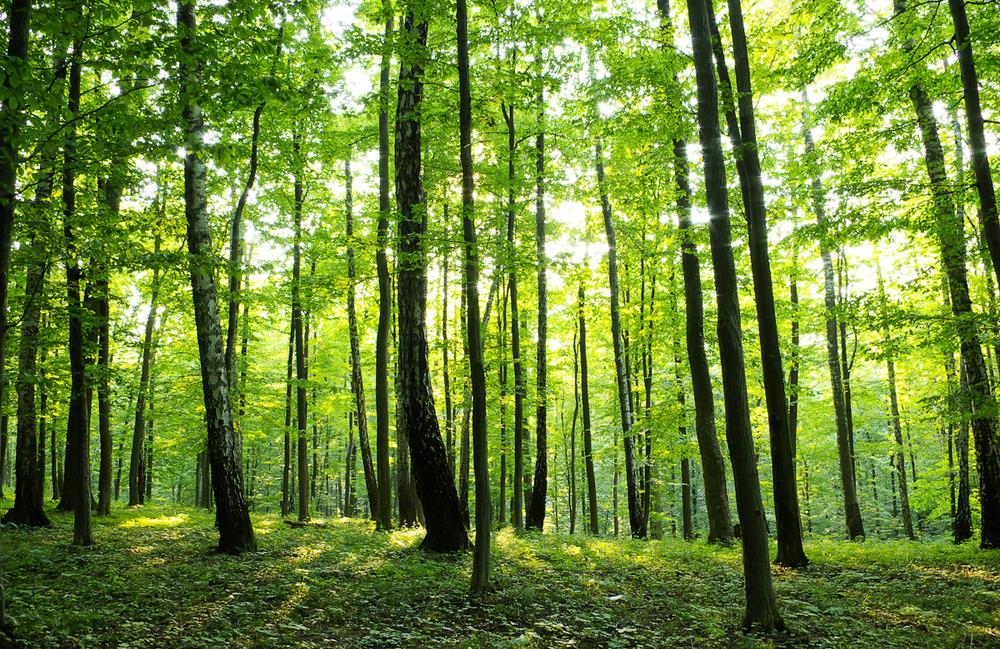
[[152, 581]]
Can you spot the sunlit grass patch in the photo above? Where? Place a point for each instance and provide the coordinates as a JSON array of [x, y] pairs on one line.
[[160, 521]]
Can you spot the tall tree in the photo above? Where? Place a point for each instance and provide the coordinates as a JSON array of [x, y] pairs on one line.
[[384, 282], [417, 417], [743, 133], [852, 512], [233, 517], [720, 526], [761, 606], [480, 447], [136, 470], [536, 508], [588, 442], [636, 516], [301, 368], [357, 380]]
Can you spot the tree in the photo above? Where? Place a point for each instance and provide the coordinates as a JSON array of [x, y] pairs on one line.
[[415, 409], [137, 469], [233, 518], [720, 526], [761, 607]]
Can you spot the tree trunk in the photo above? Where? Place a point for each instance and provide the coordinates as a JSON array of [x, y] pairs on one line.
[[852, 512], [743, 134], [588, 443], [112, 200], [286, 471], [536, 508], [520, 390], [762, 609], [357, 380], [981, 168], [416, 413], [480, 433], [301, 368], [502, 371], [720, 526], [899, 463], [28, 494], [384, 283], [636, 522], [962, 525], [137, 459], [233, 518]]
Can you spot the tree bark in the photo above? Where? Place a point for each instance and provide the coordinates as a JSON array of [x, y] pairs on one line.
[[137, 459], [636, 523], [416, 413], [720, 528], [301, 368], [899, 463], [384, 283], [357, 380], [233, 518], [480, 433], [980, 161], [761, 607], [520, 389], [535, 518], [852, 512], [588, 442]]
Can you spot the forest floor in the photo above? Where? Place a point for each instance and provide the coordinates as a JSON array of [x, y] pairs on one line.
[[152, 581]]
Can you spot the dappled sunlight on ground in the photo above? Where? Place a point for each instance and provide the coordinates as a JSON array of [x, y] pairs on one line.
[[341, 583]]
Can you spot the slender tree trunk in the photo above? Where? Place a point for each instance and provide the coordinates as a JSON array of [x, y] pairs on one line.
[[743, 134], [502, 371], [761, 607], [417, 417], [384, 283], [480, 450], [103, 312], [571, 463], [588, 443], [357, 381], [846, 362], [301, 368], [636, 524], [28, 493], [235, 531], [962, 526], [852, 512], [720, 526], [78, 429], [136, 463], [536, 508], [286, 471], [517, 507], [899, 463]]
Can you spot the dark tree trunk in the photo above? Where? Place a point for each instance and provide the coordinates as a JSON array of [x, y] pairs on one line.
[[480, 444], [762, 609], [962, 525], [137, 460], [301, 367], [588, 443], [384, 285], [743, 135], [852, 512], [233, 518], [520, 390], [502, 371], [449, 408], [357, 380], [28, 493], [720, 526], [898, 462], [102, 302], [286, 471], [636, 522], [536, 508], [416, 413]]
